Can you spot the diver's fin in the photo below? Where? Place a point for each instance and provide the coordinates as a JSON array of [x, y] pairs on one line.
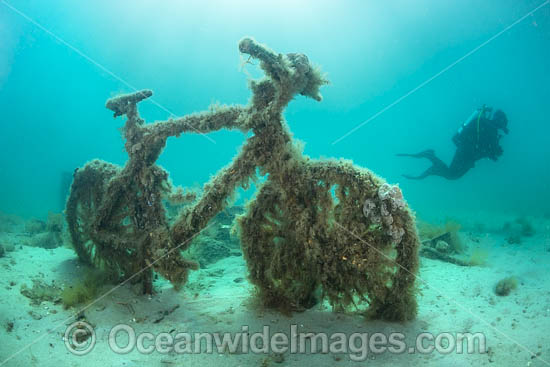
[[423, 154]]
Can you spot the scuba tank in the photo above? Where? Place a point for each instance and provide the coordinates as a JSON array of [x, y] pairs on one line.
[[478, 114], [470, 119], [475, 118]]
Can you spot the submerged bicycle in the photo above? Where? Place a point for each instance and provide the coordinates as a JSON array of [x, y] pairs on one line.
[[315, 228]]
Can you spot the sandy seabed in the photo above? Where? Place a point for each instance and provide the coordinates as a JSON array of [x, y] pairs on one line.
[[218, 299]]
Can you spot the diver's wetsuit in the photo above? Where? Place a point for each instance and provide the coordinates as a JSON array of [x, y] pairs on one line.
[[478, 138]]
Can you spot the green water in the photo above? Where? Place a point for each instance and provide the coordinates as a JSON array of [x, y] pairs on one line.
[[56, 73]]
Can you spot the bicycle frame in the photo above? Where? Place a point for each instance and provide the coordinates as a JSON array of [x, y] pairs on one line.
[[304, 230]]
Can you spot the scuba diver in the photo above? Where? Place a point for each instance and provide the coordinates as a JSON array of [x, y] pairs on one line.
[[477, 138]]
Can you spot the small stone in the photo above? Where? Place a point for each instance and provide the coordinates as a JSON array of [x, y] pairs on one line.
[[278, 357], [443, 247], [9, 326], [35, 315]]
